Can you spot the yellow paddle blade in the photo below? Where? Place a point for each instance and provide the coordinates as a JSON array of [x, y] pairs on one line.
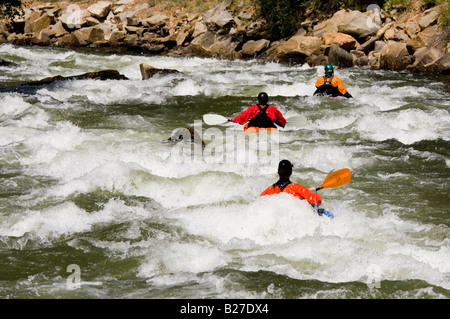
[[336, 179]]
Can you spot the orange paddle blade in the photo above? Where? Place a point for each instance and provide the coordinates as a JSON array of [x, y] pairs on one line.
[[336, 179]]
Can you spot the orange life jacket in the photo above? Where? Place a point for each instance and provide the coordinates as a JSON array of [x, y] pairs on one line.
[[295, 189]]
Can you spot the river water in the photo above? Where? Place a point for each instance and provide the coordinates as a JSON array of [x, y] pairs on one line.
[[96, 203]]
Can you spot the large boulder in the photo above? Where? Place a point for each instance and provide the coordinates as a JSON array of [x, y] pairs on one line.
[[86, 36], [253, 48], [40, 24], [424, 58], [361, 24], [339, 57], [441, 66], [395, 56], [330, 25], [355, 23], [219, 19], [300, 46], [344, 41], [199, 29], [430, 62], [74, 18], [422, 39], [158, 19], [50, 34], [430, 17], [370, 44], [224, 47], [36, 21], [412, 28], [204, 40], [100, 9]]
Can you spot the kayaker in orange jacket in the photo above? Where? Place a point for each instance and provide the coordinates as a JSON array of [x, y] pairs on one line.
[[261, 115], [330, 85], [286, 186]]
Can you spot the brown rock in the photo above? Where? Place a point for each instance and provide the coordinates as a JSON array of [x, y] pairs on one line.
[[199, 29], [303, 45], [401, 36], [330, 25], [344, 41], [75, 19], [316, 60], [395, 56], [359, 24], [65, 40], [100, 9], [181, 37], [219, 18], [442, 65], [390, 33], [224, 47], [412, 28], [339, 57], [147, 71], [43, 22], [97, 34], [58, 30], [374, 59], [252, 48], [422, 39], [428, 19], [86, 36], [157, 19], [425, 56], [80, 37], [359, 58], [91, 21], [372, 42], [30, 19], [116, 38]]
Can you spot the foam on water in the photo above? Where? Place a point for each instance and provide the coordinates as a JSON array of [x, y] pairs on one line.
[[406, 126]]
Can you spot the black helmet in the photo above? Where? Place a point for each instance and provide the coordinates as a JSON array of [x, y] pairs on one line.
[[263, 98], [285, 168]]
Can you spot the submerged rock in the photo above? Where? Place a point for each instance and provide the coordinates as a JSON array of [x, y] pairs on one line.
[[99, 75], [8, 63], [147, 71]]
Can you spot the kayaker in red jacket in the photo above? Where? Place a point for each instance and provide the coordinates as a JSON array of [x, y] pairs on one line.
[[261, 115], [286, 186]]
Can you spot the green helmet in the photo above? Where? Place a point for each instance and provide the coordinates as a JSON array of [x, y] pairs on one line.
[[329, 68]]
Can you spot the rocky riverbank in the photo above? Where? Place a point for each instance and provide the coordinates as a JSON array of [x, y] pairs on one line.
[[411, 41]]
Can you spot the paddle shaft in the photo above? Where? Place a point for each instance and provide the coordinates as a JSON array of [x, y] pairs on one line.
[[216, 119]]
